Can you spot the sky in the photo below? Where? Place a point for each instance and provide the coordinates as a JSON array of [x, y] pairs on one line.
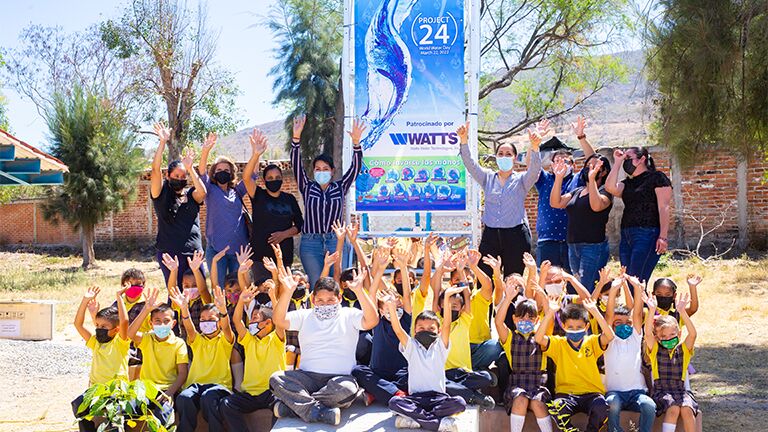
[[244, 47]]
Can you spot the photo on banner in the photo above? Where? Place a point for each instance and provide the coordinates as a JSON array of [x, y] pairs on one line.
[[409, 87]]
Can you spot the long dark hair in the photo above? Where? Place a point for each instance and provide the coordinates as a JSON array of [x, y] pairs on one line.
[[643, 151], [605, 169], [171, 201]]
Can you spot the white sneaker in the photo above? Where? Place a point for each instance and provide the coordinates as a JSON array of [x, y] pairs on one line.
[[402, 422], [448, 424]]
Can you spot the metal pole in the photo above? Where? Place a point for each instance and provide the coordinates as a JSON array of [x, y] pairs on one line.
[[348, 88], [473, 199]]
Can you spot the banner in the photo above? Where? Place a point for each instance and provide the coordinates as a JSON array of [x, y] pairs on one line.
[[409, 87]]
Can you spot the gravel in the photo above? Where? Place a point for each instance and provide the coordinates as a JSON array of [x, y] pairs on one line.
[[25, 359]]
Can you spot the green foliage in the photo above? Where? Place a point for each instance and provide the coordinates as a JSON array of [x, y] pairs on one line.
[[710, 64], [122, 403], [3, 103], [309, 36], [102, 154]]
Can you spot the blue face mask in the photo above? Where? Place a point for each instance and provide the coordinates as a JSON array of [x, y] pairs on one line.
[[525, 327], [162, 331], [575, 335], [322, 177], [623, 331], [505, 163]]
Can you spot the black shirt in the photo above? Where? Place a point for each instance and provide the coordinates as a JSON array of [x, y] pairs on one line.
[[178, 222], [584, 224], [641, 208], [272, 214]]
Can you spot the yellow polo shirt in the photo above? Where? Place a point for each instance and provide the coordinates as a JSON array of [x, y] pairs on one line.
[[479, 328], [263, 357], [161, 359], [460, 354], [577, 371], [110, 360], [210, 361], [418, 304]]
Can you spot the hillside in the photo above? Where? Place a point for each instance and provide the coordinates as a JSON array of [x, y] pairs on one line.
[[619, 116]]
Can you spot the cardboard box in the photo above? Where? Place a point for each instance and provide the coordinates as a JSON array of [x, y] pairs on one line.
[[27, 320]]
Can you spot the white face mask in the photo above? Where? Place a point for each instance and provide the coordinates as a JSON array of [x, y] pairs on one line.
[[554, 288], [327, 312], [253, 328], [399, 314], [208, 327]]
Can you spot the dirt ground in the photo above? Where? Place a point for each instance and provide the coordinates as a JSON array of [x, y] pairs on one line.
[[40, 379]]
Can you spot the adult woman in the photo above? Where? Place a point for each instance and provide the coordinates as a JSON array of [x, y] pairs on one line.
[[645, 223], [506, 231], [225, 225], [588, 209], [323, 198], [276, 215], [177, 207]]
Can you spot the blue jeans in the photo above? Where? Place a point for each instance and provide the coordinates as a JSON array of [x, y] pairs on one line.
[[633, 400], [226, 265], [183, 267], [312, 253], [586, 261], [556, 252], [637, 251], [483, 354], [205, 398]]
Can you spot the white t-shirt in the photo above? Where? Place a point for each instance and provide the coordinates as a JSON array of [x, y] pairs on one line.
[[328, 346], [623, 363], [426, 371]]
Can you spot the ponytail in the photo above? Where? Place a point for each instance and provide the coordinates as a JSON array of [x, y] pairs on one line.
[[643, 151]]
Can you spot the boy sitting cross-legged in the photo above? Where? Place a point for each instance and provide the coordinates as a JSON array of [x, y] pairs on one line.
[[427, 405]]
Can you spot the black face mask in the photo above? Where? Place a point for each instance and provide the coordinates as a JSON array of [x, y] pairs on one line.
[[176, 184], [299, 293], [664, 302], [262, 298], [425, 338], [399, 288], [273, 185], [454, 315], [350, 295], [102, 335], [628, 166], [222, 177]]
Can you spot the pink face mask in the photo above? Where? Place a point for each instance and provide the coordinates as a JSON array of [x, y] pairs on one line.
[[233, 298], [134, 291], [194, 293]]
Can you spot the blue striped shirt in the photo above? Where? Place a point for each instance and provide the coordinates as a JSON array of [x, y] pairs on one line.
[[504, 203], [323, 207]]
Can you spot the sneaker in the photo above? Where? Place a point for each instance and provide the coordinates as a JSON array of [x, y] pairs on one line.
[[369, 399], [448, 424], [494, 379], [485, 402], [281, 410], [402, 422], [330, 416]]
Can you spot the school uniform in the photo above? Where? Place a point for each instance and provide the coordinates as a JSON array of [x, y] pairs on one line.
[[578, 386], [669, 370], [427, 402], [388, 372], [528, 369], [461, 380], [161, 360], [484, 350]]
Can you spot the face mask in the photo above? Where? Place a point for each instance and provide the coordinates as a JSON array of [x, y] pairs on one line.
[[208, 327], [389, 317], [399, 288], [102, 335], [299, 293], [134, 291], [254, 328], [664, 302], [454, 315], [623, 331], [262, 298], [505, 163], [273, 185], [233, 298], [525, 326], [177, 185], [425, 338], [327, 312], [628, 166], [670, 343], [604, 299], [222, 177], [575, 335], [322, 177], [554, 288], [350, 295], [162, 331], [194, 293]]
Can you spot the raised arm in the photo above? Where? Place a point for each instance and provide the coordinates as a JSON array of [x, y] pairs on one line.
[[358, 127], [607, 334], [578, 129], [122, 314], [550, 309], [156, 178], [445, 329], [402, 258], [426, 274], [535, 137], [650, 338], [245, 263], [486, 285], [172, 264], [637, 306], [220, 300], [532, 279], [610, 308], [288, 287], [693, 286], [194, 263], [328, 262], [597, 201], [200, 190], [362, 261], [663, 198], [150, 304], [390, 302], [370, 311], [581, 290], [258, 146], [208, 144], [498, 277], [89, 296], [181, 300], [340, 230], [298, 169], [474, 169], [682, 305], [501, 314], [612, 183], [557, 199], [247, 294]]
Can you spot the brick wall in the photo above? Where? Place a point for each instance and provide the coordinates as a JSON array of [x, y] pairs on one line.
[[707, 189]]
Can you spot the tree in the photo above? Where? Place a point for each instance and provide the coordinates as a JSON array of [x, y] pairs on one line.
[[710, 63], [91, 137], [177, 49], [308, 72]]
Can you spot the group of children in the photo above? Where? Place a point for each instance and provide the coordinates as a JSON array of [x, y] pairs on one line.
[[421, 346]]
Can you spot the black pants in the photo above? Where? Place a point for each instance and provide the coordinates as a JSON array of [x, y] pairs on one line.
[[467, 384], [508, 243], [592, 404], [234, 407]]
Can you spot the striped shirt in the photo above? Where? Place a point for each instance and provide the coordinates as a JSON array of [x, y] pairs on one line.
[[322, 208], [504, 203]]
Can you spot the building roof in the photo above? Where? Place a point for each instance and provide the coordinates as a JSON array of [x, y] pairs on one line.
[[23, 164]]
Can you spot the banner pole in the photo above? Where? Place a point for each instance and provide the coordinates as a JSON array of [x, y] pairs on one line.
[[348, 91], [474, 82]]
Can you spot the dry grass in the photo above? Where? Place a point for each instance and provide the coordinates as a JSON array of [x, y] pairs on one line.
[[732, 379]]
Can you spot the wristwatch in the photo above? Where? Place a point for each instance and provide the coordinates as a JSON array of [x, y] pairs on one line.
[[223, 315]]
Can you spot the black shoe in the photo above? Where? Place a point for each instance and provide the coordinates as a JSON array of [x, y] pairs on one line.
[[281, 410], [486, 403], [321, 414], [494, 379]]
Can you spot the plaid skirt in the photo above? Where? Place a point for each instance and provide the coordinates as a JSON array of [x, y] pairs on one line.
[[676, 397], [292, 338], [531, 386]]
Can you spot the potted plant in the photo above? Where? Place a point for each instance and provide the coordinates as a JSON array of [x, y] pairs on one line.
[[122, 406]]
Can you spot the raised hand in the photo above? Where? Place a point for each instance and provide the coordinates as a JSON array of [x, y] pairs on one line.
[[633, 280], [591, 306], [473, 257], [430, 241], [189, 159], [529, 261], [91, 293], [171, 263], [356, 284], [511, 289], [298, 126], [219, 255], [219, 299], [693, 280], [330, 258], [245, 266], [579, 126], [93, 307], [358, 127], [248, 294], [605, 273], [554, 304], [339, 229], [381, 257], [544, 269], [650, 301], [536, 135], [388, 298], [683, 302], [352, 230], [560, 169], [244, 254], [592, 174], [258, 142], [463, 133], [278, 253], [616, 284], [495, 262], [287, 280], [269, 264], [402, 256], [150, 300], [618, 155], [196, 261], [162, 132], [210, 141]]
